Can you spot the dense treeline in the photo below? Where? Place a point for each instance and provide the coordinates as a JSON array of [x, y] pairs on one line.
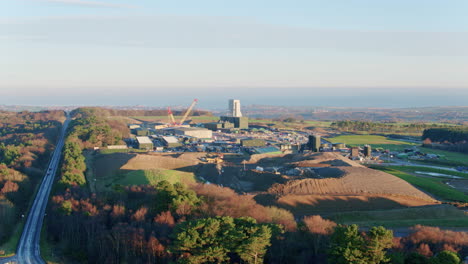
[[377, 127], [87, 129], [446, 135], [27, 140], [93, 130], [131, 225], [105, 112], [454, 139]]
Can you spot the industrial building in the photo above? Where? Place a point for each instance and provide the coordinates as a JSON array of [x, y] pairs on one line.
[[235, 108], [157, 125], [196, 132], [239, 122], [215, 126], [314, 143], [253, 142], [171, 142], [141, 131], [367, 151], [144, 143]]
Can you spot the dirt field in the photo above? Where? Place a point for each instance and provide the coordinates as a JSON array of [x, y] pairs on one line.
[[358, 180]]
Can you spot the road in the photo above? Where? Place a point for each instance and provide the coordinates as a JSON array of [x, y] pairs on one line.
[[28, 250]]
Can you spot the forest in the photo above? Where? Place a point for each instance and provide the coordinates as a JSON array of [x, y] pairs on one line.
[[105, 112], [206, 223], [454, 139], [27, 139], [384, 127]]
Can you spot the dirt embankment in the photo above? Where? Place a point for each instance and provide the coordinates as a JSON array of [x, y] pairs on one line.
[[356, 181]]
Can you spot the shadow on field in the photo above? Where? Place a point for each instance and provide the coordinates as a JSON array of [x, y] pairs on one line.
[[301, 205], [109, 165]]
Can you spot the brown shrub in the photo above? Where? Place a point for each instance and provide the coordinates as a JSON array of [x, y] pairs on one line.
[[9, 187], [118, 211], [140, 214], [165, 218], [221, 201], [317, 225], [424, 250]]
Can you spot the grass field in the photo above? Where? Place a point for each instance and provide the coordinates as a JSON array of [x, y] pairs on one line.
[[439, 215], [152, 177], [413, 169], [434, 186], [353, 140], [448, 155]]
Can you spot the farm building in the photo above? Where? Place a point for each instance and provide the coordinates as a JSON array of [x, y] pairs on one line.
[[144, 143]]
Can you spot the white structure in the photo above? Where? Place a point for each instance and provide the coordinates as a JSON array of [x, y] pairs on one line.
[[234, 108]]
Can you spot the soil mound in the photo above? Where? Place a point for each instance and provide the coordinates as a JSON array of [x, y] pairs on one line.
[[355, 181]]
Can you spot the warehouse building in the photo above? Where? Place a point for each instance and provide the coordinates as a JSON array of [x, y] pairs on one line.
[[253, 143], [215, 126], [239, 122], [196, 132], [171, 142], [144, 143]]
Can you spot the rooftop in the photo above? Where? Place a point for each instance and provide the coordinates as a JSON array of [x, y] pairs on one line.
[[144, 140], [190, 128], [171, 139]]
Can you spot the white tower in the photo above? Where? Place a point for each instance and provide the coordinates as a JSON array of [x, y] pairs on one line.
[[234, 108]]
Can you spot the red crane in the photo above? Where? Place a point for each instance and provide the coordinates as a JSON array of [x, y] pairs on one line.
[[184, 118]]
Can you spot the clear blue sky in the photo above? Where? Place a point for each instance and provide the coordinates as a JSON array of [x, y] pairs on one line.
[[281, 52]]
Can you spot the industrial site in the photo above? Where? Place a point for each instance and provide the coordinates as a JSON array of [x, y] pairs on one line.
[[278, 166]]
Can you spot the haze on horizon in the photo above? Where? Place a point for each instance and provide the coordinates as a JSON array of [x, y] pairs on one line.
[[324, 53]]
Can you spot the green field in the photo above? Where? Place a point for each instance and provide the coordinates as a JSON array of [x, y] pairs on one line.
[[152, 177], [413, 169], [434, 186], [353, 140], [145, 177], [456, 157], [438, 215]]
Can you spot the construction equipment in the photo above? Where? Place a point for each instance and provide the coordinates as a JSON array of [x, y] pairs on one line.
[[188, 111], [184, 118], [171, 116]]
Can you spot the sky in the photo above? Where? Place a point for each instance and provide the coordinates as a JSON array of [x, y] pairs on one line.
[[389, 53]]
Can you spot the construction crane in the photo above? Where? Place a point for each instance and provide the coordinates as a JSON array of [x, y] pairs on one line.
[[171, 116], [188, 111]]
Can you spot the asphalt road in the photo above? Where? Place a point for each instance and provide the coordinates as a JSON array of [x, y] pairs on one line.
[[28, 250]]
